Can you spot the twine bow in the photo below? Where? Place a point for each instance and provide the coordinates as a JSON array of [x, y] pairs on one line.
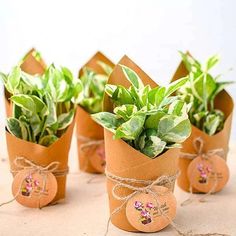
[[198, 145], [24, 164], [147, 188], [130, 183]]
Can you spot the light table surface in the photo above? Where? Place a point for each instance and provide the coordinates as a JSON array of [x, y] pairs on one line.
[[85, 209]]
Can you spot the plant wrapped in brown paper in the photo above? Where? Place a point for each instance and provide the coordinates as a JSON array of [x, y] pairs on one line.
[[210, 113], [41, 125], [90, 139], [143, 126]]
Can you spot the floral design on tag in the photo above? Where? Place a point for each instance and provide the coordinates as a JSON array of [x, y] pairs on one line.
[[210, 174], [145, 211], [151, 211], [205, 172], [148, 209], [32, 186]]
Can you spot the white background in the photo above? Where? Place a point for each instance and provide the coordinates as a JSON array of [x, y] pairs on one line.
[[149, 31]]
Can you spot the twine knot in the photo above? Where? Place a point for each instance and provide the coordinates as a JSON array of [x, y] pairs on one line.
[[23, 164], [198, 145]]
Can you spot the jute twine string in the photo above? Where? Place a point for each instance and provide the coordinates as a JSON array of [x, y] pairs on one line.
[[24, 164], [198, 145], [131, 184], [88, 143]]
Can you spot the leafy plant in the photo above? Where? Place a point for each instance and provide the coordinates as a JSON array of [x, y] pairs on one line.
[[150, 120], [200, 91], [94, 86], [42, 105]]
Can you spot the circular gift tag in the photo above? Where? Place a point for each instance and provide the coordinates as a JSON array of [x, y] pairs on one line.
[[148, 213], [33, 189], [208, 174], [98, 159]]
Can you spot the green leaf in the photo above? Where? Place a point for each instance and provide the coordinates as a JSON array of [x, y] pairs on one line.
[[122, 96], [25, 129], [13, 126], [154, 146], [131, 128], [153, 120], [174, 129], [125, 111], [178, 108], [132, 77], [14, 78], [159, 96], [107, 120], [65, 119], [36, 125], [40, 105], [190, 63], [211, 124], [3, 77], [212, 61], [110, 89], [48, 140], [25, 102], [174, 86], [218, 88], [67, 74], [17, 128], [136, 96], [52, 114]]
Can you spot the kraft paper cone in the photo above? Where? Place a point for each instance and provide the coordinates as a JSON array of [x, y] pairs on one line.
[[30, 66], [223, 102], [92, 63], [86, 127], [43, 156], [89, 129], [125, 161]]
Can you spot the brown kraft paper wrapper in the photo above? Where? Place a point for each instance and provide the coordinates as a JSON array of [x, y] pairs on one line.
[[30, 66], [86, 127], [125, 161], [43, 156], [223, 102]]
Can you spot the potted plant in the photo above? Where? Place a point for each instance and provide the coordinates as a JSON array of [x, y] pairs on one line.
[[90, 140], [144, 128], [40, 128], [210, 115]]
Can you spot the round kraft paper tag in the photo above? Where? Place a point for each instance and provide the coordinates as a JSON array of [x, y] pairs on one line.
[[33, 189], [208, 174], [149, 213], [98, 159]]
